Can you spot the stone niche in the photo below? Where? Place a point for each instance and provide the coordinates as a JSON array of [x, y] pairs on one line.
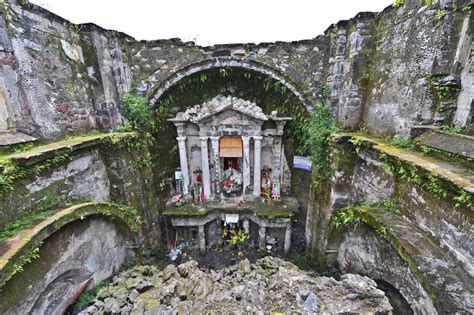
[[230, 147]]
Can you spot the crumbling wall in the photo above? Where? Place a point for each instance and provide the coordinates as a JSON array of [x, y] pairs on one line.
[[386, 70]]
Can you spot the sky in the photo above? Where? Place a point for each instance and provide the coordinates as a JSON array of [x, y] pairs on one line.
[[211, 22]]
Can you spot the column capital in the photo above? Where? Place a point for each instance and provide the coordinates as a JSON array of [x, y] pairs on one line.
[[257, 138], [182, 138], [246, 139], [204, 138], [214, 138]]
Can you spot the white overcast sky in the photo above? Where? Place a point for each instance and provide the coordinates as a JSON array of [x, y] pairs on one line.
[[212, 21]]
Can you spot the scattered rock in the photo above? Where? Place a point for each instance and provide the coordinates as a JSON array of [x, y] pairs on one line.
[[270, 285]]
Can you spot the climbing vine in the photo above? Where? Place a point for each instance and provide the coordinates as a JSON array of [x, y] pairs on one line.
[[319, 143], [430, 182], [267, 92]]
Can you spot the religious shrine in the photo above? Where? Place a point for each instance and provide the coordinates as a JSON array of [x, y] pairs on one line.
[[233, 174], [229, 148]]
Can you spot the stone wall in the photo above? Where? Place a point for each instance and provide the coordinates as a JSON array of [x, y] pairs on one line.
[[63, 78], [361, 175], [82, 253], [59, 78], [364, 252], [83, 177]]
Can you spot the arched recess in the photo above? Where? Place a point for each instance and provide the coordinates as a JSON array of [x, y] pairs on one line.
[[383, 245], [75, 248], [223, 62], [270, 88], [27, 240]]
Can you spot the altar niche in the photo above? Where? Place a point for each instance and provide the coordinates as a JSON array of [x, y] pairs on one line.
[[228, 141]]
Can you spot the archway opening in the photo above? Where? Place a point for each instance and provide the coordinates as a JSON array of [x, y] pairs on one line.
[[398, 302]]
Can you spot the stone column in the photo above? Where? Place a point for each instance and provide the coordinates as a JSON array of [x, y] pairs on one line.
[[246, 159], [202, 239], [287, 238], [246, 225], [278, 152], [257, 180], [206, 179], [262, 239], [217, 162], [183, 161]]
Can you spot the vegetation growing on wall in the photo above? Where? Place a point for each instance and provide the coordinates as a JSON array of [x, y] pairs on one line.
[[402, 141], [266, 92], [11, 172], [430, 182], [39, 213], [318, 142], [137, 110], [398, 3], [34, 254]]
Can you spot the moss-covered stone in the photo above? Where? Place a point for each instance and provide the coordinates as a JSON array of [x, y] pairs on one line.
[[16, 249]]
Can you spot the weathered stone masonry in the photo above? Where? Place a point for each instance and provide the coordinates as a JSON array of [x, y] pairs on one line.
[[385, 72], [61, 78]]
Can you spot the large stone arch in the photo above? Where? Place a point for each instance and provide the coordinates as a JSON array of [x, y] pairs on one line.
[[385, 246], [78, 247], [221, 62]]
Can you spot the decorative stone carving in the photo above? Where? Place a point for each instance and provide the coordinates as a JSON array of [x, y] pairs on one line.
[[218, 104]]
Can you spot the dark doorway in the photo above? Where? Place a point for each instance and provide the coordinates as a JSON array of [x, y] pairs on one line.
[[398, 302]]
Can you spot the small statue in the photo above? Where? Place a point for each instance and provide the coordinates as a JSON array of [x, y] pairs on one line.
[[198, 191]]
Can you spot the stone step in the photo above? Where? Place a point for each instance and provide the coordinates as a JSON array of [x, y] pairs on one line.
[[12, 138], [461, 145], [462, 177]]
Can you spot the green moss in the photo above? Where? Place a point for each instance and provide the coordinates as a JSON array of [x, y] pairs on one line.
[[417, 168], [18, 252], [37, 159]]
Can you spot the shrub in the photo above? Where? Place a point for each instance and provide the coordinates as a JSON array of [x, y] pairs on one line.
[[137, 110]]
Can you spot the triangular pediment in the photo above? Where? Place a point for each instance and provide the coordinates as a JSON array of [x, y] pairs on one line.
[[220, 104]]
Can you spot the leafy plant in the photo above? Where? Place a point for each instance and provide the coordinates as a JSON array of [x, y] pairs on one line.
[[5, 9], [137, 110], [402, 141], [385, 204], [397, 3], [87, 297], [344, 218], [318, 141], [238, 238], [324, 90], [441, 90], [34, 254], [453, 129], [440, 13]]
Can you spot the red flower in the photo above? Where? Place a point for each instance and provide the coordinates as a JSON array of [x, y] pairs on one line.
[[227, 183]]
